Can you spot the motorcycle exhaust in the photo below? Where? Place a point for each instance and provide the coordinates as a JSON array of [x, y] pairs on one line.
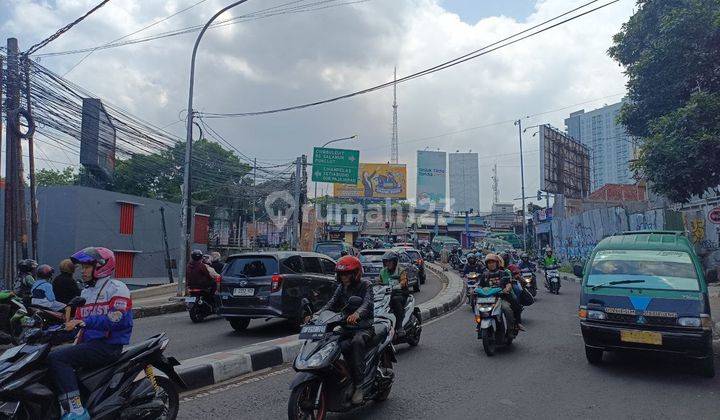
[[147, 411]]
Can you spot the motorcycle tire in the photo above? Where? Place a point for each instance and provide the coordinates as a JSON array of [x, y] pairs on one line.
[[196, 314], [239, 324], [488, 340], [533, 291], [169, 395], [297, 404], [414, 338], [383, 395]]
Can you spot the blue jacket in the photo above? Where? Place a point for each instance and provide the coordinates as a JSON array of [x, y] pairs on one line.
[[107, 312], [42, 294]]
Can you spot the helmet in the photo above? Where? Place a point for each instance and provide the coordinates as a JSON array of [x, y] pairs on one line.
[[196, 255], [390, 256], [27, 266], [548, 251], [496, 258], [472, 258], [349, 264], [45, 271], [514, 269], [102, 258], [524, 256]]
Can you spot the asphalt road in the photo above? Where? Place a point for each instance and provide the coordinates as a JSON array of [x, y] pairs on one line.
[[215, 334], [544, 375]]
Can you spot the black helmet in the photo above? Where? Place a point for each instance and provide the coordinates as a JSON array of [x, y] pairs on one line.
[[27, 266], [45, 271], [390, 256], [196, 255], [524, 256], [472, 258]]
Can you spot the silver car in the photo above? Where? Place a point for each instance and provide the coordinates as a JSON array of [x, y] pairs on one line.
[[371, 260]]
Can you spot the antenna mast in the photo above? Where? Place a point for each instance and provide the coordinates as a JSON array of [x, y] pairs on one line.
[[394, 140], [495, 185]]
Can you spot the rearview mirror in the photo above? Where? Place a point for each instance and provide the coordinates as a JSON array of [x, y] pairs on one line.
[[578, 270]]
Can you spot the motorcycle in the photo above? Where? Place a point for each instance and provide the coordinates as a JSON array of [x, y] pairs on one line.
[[471, 281], [412, 323], [200, 304], [492, 325], [323, 382], [130, 388], [552, 279], [529, 282]]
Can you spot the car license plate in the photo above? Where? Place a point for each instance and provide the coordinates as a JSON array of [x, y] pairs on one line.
[[642, 337], [243, 291], [310, 332], [485, 300], [190, 299]]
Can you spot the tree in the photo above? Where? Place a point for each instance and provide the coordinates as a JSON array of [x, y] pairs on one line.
[[48, 177], [671, 54]]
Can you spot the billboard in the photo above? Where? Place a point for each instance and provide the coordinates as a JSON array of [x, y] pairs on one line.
[[376, 180], [97, 139], [564, 164], [431, 175], [464, 182]]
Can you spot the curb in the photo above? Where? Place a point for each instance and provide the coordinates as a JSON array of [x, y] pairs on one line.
[[214, 368], [165, 308]]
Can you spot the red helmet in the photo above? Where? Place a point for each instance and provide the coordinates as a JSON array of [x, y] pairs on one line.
[[514, 269], [349, 264]]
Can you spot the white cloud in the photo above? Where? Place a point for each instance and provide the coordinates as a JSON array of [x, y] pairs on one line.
[[290, 59]]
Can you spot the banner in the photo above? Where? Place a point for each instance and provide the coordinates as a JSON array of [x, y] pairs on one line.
[[376, 180], [431, 174]]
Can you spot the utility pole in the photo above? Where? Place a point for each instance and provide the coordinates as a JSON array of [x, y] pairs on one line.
[[522, 183], [394, 141], [12, 141], [31, 160], [295, 219], [168, 263], [254, 203], [495, 185]]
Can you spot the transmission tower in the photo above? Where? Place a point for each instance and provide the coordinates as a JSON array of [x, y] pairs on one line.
[[495, 185], [394, 140]]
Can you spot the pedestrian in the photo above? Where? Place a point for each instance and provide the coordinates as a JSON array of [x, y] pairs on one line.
[[64, 285]]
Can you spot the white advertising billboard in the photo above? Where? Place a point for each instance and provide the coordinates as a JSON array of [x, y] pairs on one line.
[[464, 182], [431, 176]]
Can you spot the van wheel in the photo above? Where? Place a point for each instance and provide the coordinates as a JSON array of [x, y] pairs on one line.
[[707, 366], [594, 356], [239, 324]]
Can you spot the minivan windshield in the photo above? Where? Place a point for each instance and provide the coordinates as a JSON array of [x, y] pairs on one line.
[[332, 250], [647, 269], [372, 256], [251, 266]]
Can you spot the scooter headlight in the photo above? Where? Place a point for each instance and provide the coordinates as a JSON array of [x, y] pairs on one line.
[[320, 356]]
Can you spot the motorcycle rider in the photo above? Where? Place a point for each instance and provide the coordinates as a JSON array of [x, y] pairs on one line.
[[392, 274], [550, 260], [198, 275], [473, 265], [497, 276], [525, 263], [25, 279], [42, 290], [349, 274], [106, 322]]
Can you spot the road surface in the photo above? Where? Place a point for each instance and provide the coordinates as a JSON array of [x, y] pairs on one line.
[[215, 334], [544, 375]]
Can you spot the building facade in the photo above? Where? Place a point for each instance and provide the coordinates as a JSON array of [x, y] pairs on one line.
[[611, 148]]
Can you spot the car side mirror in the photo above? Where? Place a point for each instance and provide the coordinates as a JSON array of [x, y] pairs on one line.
[[354, 302], [578, 270]]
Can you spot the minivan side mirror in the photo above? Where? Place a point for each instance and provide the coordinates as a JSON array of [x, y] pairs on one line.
[[578, 270]]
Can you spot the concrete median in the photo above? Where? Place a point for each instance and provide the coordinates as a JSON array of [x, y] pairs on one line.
[[217, 367]]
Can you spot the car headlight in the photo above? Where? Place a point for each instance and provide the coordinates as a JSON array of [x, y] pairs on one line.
[[689, 321], [597, 315], [319, 357]]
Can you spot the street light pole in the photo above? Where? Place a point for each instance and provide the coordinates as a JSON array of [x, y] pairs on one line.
[[186, 203], [522, 182]]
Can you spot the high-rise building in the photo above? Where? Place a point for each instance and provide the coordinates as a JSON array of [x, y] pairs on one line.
[[611, 148], [464, 182]]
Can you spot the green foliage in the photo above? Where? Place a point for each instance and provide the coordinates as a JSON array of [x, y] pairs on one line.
[[671, 53], [50, 177]]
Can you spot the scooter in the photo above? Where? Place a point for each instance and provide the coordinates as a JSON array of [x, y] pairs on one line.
[[323, 381], [412, 323], [492, 325], [130, 388], [552, 279], [201, 304], [471, 281], [529, 282]]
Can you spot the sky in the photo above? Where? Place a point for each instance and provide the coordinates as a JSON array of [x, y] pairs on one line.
[[303, 57]]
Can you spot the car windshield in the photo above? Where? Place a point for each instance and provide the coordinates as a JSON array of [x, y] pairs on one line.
[[371, 257], [415, 255], [252, 266], [669, 270], [331, 250]]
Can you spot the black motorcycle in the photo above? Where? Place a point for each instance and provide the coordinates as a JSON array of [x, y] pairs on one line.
[[200, 304], [529, 282], [130, 388], [322, 382]]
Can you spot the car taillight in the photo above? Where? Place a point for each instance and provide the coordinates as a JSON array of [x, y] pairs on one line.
[[218, 280], [276, 283], [419, 261]]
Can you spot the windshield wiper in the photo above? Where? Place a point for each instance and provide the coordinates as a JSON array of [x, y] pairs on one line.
[[613, 283]]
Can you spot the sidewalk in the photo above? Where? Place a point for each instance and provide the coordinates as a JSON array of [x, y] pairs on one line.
[[156, 300]]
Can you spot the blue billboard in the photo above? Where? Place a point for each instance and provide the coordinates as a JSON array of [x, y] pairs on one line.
[[431, 176]]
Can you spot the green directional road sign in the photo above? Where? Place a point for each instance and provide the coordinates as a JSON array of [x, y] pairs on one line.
[[335, 165]]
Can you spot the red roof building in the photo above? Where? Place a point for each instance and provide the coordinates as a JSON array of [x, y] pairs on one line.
[[618, 192]]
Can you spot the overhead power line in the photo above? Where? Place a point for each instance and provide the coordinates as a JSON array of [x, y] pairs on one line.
[[64, 29], [507, 41]]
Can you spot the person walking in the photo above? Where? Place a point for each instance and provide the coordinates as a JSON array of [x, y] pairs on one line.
[[64, 285]]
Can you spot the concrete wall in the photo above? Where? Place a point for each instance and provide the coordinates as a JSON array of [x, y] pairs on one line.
[[74, 217]]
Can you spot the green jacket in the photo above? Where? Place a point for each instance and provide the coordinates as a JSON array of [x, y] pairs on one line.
[[550, 261], [392, 279]]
